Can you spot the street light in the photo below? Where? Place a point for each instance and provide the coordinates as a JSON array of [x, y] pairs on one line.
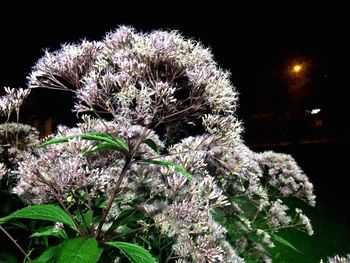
[[297, 68]]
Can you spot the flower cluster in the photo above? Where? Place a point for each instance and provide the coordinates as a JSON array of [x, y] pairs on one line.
[[170, 89], [286, 176], [154, 79], [198, 236], [63, 168], [12, 100], [16, 140], [245, 177], [338, 259], [3, 170], [186, 215]]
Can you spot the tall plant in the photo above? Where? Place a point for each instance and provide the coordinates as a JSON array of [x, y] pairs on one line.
[[158, 166]]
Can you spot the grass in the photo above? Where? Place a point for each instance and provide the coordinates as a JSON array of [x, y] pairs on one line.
[[331, 237]]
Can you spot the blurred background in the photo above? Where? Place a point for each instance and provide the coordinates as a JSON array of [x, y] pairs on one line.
[[289, 64]]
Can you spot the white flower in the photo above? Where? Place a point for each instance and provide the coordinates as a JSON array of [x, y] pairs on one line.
[[3, 170]]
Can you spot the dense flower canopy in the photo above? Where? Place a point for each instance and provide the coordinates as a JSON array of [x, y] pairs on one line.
[[172, 89], [157, 79]]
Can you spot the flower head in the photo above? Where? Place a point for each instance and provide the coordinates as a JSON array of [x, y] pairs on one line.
[[150, 78]]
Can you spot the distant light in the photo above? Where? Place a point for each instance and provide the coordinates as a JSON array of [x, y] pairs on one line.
[[315, 111], [297, 68]]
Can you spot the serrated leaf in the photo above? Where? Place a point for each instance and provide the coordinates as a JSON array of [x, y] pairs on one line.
[[284, 242], [177, 167], [50, 231], [79, 250], [48, 256], [134, 253], [42, 212]]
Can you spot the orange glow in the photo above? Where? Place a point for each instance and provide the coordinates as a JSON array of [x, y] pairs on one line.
[[297, 68]]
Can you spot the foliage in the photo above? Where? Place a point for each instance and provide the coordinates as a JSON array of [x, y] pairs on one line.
[[42, 212], [133, 252]]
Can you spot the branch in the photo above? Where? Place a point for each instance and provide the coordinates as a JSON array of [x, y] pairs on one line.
[[111, 199], [116, 189], [67, 211], [15, 242]]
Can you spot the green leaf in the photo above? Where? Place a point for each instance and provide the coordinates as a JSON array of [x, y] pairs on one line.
[[102, 203], [49, 255], [127, 217], [178, 168], [79, 250], [152, 145], [117, 142], [134, 253], [50, 231], [146, 241], [284, 242], [101, 148], [18, 225], [42, 212], [124, 229], [117, 222], [57, 140], [239, 200], [219, 215], [88, 218], [104, 137], [116, 139]]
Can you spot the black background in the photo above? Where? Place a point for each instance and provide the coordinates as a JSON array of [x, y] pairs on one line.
[[256, 43]]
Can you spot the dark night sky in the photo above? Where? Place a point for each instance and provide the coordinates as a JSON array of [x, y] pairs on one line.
[[255, 44]]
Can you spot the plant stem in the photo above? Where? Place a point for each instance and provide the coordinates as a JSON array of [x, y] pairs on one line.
[[69, 213], [15, 242], [17, 122], [7, 124], [116, 189], [111, 199], [90, 208], [28, 249], [133, 212], [80, 213], [160, 249], [142, 137]]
